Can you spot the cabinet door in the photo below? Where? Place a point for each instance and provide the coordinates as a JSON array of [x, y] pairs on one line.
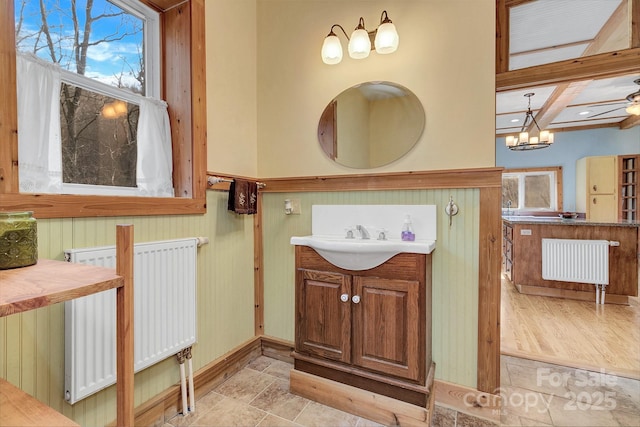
[[387, 326], [323, 311], [602, 175], [603, 208]]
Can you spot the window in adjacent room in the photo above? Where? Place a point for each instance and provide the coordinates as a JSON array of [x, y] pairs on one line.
[[89, 116], [531, 190]]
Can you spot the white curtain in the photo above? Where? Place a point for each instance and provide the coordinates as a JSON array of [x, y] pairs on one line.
[[40, 147], [155, 165]]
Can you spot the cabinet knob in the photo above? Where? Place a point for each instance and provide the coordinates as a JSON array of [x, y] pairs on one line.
[[355, 299], [344, 297], [594, 200], [595, 188]]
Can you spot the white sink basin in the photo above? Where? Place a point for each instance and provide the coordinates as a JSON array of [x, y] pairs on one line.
[[361, 254]]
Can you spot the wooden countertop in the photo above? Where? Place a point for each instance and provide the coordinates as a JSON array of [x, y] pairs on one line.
[[561, 221], [20, 409], [49, 282]]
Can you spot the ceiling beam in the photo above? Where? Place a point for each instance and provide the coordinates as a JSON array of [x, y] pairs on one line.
[[565, 93], [617, 23], [609, 64], [630, 122], [551, 48], [561, 97]]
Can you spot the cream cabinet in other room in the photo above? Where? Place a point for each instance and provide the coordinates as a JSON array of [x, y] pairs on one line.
[[597, 187]]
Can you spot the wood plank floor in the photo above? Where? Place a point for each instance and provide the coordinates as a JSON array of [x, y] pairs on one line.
[[578, 334]]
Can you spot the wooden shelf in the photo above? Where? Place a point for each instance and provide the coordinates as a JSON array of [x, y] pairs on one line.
[[20, 409], [50, 282], [628, 177]]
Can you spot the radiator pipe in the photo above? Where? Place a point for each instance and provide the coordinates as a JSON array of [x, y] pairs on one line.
[[183, 383], [192, 395]]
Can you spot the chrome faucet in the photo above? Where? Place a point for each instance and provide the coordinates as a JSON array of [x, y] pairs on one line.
[[364, 234]]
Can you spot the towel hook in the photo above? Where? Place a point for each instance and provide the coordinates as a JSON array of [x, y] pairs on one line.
[[451, 210]]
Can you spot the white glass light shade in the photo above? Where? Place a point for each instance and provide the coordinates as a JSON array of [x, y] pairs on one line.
[[331, 50], [511, 141], [544, 136], [359, 44], [633, 109], [534, 140], [523, 137], [387, 38]]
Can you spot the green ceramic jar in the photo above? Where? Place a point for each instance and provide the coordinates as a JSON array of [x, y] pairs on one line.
[[18, 240]]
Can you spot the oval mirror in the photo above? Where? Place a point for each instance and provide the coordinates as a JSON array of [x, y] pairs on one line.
[[371, 124]]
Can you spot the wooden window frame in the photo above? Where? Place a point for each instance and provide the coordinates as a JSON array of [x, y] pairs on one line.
[[183, 87]]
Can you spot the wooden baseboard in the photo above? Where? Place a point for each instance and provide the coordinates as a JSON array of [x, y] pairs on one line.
[[571, 294], [468, 400], [167, 404], [277, 348], [375, 407]]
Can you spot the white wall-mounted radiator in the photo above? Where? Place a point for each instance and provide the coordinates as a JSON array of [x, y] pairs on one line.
[[164, 314], [582, 261]]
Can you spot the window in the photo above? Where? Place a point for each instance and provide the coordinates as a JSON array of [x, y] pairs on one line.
[[183, 75], [103, 137], [531, 190]]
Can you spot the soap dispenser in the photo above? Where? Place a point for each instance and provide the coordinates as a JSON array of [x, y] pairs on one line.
[[407, 234]]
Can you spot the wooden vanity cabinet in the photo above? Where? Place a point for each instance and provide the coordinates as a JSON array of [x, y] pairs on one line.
[[370, 329], [375, 333]]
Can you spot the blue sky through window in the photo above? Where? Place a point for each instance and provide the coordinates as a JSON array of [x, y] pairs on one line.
[[115, 41]]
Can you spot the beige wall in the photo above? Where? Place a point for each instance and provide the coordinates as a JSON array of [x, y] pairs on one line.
[[231, 87], [394, 126], [445, 56], [352, 111]]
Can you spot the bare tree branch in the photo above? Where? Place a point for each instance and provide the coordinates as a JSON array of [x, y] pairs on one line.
[[45, 30]]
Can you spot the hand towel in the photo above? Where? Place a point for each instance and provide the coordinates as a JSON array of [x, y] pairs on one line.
[[243, 197]]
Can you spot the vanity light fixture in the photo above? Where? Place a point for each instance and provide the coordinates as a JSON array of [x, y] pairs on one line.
[[385, 40], [522, 142]]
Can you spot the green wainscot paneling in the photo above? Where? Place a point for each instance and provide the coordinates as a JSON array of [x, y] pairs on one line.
[[32, 343], [455, 269]]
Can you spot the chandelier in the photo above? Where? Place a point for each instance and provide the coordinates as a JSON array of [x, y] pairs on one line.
[[523, 142]]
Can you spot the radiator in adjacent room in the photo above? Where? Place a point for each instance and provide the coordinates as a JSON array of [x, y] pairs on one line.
[[164, 314], [574, 260]]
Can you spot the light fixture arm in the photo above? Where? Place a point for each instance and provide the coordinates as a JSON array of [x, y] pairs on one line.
[[384, 18], [529, 115], [331, 33]]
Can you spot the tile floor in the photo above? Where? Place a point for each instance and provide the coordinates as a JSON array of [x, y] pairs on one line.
[[542, 394], [534, 394]]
